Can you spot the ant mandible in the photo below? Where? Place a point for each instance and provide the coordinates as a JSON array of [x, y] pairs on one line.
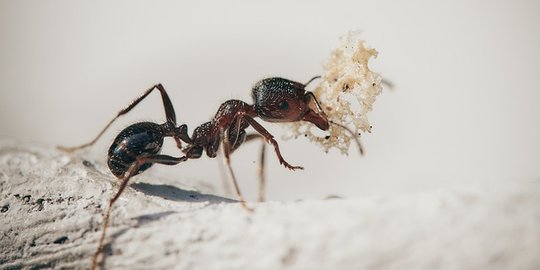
[[137, 147]]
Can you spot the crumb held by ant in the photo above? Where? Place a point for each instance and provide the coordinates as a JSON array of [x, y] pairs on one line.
[[347, 91]]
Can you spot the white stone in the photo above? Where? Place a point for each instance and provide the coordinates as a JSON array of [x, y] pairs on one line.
[[52, 205]]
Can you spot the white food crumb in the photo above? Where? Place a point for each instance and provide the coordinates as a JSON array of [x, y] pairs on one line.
[[346, 93]]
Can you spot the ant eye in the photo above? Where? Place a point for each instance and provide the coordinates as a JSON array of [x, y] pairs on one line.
[[283, 105]]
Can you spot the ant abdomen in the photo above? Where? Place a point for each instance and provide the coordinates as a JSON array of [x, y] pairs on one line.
[[135, 141]]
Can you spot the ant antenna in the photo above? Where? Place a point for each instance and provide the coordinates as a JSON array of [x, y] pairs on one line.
[[312, 79], [353, 135], [388, 84]]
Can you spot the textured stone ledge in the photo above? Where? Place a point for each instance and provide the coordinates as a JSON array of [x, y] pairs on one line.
[[51, 206]]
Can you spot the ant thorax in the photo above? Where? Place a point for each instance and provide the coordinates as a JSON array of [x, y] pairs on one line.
[[346, 93]]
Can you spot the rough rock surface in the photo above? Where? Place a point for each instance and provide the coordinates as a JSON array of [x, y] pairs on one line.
[[51, 206]]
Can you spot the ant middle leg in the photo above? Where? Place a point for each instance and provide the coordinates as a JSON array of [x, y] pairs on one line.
[[262, 176], [167, 104], [160, 159], [225, 147]]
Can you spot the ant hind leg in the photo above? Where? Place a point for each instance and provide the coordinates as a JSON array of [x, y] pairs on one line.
[[167, 104], [161, 159]]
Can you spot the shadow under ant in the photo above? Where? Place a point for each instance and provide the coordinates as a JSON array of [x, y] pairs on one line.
[[168, 192], [176, 194]]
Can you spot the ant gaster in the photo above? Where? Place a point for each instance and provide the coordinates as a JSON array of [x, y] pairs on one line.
[[137, 147]]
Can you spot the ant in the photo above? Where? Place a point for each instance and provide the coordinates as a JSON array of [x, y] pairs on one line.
[[138, 146]]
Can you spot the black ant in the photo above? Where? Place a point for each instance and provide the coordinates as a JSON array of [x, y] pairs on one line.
[[137, 147]]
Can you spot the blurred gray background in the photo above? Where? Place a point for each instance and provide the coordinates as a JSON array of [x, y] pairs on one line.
[[464, 110]]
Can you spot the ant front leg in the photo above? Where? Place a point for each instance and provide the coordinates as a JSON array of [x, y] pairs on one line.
[[133, 169], [270, 139], [169, 113]]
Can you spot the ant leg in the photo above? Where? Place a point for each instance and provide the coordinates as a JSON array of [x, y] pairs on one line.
[[270, 139], [223, 177], [232, 147], [169, 113], [178, 142], [262, 178], [387, 83], [226, 154], [161, 159]]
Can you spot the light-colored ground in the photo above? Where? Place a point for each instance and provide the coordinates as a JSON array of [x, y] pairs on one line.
[[52, 203]]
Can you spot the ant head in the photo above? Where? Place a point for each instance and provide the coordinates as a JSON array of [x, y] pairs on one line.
[[282, 100]]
